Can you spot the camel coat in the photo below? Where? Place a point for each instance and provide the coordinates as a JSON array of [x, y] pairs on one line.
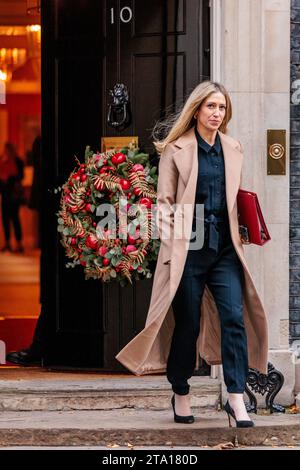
[[148, 351]]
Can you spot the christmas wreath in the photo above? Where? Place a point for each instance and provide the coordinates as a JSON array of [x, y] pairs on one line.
[[123, 184]]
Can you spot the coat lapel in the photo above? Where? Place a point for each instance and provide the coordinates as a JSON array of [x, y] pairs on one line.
[[186, 160], [233, 165]]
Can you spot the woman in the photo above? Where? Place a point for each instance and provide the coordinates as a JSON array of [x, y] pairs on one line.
[[209, 304], [11, 175]]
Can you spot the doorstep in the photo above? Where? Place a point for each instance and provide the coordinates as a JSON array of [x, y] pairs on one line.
[[39, 389]]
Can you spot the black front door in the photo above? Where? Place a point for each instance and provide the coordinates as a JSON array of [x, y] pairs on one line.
[[159, 49]]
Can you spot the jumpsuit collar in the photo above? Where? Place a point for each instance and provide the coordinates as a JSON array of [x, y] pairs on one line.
[[205, 145]]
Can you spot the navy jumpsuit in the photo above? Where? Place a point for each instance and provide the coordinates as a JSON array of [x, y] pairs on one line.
[[218, 266]]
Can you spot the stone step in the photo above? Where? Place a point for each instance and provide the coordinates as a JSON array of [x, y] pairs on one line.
[[131, 427], [57, 392]]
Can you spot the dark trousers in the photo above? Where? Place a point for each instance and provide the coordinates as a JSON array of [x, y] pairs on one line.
[[10, 213], [223, 273]]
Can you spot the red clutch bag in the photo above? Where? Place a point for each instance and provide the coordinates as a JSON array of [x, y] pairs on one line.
[[252, 226]]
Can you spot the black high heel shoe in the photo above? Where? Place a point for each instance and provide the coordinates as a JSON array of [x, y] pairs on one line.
[[239, 423], [181, 419]]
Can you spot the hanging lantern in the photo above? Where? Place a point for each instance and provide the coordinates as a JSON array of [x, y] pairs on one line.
[[33, 7]]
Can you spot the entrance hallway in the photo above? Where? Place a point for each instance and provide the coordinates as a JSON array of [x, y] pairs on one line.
[[20, 283], [19, 298]]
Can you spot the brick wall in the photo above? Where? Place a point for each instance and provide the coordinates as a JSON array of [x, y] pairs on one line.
[[295, 173]]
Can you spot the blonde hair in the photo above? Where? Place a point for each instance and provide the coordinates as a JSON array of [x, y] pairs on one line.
[[177, 124]]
